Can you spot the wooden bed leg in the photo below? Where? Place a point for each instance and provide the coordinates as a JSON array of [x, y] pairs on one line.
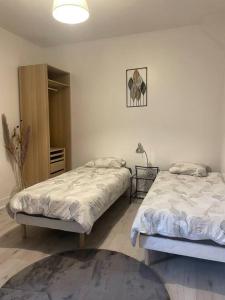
[[81, 240], [24, 231], [147, 257]]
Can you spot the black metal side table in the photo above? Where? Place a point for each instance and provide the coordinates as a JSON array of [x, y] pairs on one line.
[[144, 175]]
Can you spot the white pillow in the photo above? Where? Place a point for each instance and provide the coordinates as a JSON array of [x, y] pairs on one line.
[[191, 169], [107, 162]]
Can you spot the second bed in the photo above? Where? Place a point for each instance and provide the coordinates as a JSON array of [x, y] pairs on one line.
[[184, 215]]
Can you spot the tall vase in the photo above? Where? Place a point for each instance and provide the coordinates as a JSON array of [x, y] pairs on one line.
[[20, 185]]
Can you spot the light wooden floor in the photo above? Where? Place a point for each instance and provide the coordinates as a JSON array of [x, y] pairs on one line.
[[185, 278]]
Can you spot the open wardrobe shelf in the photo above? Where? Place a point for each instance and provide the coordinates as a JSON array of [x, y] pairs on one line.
[[47, 89]]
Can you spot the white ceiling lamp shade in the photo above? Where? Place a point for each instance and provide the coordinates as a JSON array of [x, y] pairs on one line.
[[70, 11]]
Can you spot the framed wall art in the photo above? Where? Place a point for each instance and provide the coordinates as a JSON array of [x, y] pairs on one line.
[[136, 87]]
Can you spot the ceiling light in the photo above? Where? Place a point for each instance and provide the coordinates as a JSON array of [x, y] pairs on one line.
[[70, 11]]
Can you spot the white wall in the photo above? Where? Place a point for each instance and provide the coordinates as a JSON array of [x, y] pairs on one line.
[[185, 90], [214, 27], [222, 157], [14, 51]]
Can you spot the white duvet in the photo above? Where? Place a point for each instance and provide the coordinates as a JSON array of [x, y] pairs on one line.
[[185, 207], [81, 195]]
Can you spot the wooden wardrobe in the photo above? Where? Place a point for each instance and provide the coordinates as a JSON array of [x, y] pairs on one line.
[[45, 107]]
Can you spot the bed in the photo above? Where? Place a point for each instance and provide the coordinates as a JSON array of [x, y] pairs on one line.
[[183, 215], [72, 201]]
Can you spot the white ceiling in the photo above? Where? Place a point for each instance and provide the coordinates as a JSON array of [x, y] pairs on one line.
[[33, 19]]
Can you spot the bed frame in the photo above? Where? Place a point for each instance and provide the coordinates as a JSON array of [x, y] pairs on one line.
[[45, 222], [38, 221], [42, 221], [208, 250]]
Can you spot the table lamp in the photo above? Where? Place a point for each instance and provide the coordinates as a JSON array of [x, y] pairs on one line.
[[140, 150]]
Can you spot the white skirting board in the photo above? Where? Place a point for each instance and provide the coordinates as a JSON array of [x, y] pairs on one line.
[[3, 202], [203, 250]]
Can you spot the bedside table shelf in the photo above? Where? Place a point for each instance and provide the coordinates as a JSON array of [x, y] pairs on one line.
[[142, 175]]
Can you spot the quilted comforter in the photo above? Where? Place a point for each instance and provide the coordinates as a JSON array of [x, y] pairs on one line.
[[81, 195], [183, 206]]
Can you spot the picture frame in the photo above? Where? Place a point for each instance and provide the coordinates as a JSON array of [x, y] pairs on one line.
[[137, 87]]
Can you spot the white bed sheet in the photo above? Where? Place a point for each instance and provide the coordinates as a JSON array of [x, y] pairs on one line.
[[185, 207], [83, 195]]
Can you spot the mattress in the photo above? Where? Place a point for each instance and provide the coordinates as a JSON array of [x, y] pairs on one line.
[[81, 195], [183, 206]]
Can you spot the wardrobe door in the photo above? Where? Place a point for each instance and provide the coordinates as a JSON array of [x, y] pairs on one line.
[[34, 112]]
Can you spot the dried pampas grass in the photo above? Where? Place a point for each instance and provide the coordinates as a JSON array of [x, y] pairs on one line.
[[16, 144]]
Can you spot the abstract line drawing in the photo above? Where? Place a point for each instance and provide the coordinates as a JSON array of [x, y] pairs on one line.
[[136, 87]]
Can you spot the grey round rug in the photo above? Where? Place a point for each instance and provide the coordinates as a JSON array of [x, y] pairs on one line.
[[87, 275]]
